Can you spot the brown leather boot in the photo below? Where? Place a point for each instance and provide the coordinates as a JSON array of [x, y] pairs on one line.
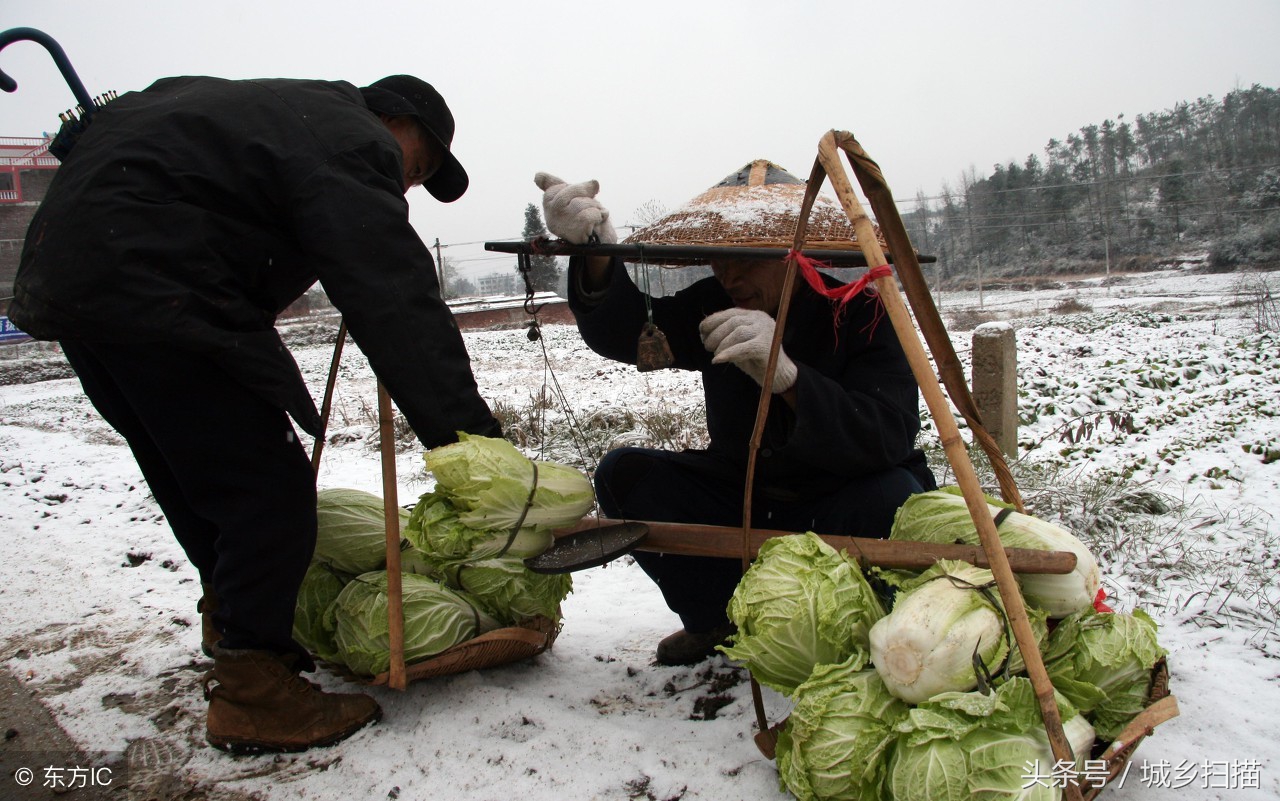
[[260, 703], [689, 648], [206, 606]]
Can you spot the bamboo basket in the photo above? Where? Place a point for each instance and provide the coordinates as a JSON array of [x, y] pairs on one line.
[[491, 649], [1162, 705]]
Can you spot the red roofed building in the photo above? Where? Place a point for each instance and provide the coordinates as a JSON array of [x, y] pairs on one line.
[[26, 168]]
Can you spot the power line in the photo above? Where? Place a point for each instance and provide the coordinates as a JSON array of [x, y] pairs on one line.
[[507, 257], [1098, 182], [1077, 223], [1051, 216], [483, 241], [1132, 179]]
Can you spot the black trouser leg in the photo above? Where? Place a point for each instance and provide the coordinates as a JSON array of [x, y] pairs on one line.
[[226, 469], [641, 484]]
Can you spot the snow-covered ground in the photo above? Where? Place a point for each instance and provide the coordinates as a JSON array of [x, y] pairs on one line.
[[1160, 394]]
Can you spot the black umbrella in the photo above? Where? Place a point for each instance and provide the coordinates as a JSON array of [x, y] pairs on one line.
[[74, 121]]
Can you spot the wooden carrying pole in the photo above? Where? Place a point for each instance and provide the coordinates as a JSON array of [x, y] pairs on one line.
[[391, 510], [829, 162], [692, 539]]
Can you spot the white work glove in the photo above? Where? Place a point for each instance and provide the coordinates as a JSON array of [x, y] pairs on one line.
[[743, 337], [572, 211]]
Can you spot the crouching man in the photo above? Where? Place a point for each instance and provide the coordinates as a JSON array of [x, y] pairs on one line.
[[838, 454]]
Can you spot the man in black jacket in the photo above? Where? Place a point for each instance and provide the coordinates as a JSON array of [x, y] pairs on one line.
[[838, 454], [186, 218]]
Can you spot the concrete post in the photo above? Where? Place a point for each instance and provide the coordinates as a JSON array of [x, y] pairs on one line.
[[995, 383]]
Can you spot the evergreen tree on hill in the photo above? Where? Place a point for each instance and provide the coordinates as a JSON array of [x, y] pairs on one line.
[[1195, 179], [544, 272]]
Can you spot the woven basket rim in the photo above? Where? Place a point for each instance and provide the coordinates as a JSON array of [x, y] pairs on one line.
[[491, 649]]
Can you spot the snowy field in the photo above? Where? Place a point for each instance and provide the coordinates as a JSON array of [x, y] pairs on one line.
[[1149, 427]]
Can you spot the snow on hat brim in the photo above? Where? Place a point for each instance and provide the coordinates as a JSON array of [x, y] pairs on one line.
[[758, 206]]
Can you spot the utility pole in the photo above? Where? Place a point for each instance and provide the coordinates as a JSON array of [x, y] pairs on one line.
[[1106, 243], [979, 260], [439, 267]]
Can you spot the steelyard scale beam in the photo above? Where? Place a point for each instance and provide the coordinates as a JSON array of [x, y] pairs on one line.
[[658, 253]]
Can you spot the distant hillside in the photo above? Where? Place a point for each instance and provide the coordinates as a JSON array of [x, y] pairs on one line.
[[1200, 181]]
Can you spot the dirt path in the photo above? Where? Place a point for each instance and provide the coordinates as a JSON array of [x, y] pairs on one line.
[[33, 741], [148, 770]]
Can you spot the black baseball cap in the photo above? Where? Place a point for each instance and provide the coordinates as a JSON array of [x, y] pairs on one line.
[[405, 95]]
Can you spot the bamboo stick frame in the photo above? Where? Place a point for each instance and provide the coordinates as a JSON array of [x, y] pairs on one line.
[[827, 165], [495, 647], [397, 675], [397, 679], [397, 671]]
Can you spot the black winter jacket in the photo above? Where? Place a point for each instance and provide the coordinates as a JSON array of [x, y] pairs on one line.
[[195, 211], [857, 402]]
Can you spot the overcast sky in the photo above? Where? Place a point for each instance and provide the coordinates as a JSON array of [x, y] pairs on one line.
[[659, 100]]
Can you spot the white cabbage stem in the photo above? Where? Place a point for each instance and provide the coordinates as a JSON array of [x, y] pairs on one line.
[[926, 645]]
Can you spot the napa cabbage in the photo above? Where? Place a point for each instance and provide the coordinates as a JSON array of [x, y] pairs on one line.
[[941, 622], [941, 516], [351, 530], [488, 482], [312, 627], [1102, 662], [982, 747], [436, 529], [436, 618], [837, 739], [800, 604], [508, 590]]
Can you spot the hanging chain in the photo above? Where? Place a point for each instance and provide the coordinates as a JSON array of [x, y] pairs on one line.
[[524, 263], [644, 279]]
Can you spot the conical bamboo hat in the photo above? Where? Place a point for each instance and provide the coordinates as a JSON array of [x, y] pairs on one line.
[[757, 206]]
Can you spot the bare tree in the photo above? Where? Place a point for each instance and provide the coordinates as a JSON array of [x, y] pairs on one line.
[[455, 286]]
